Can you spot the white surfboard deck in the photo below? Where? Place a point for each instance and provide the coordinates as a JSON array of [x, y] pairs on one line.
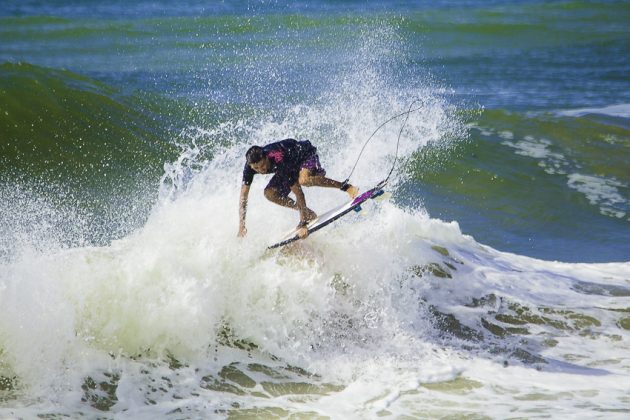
[[331, 215]]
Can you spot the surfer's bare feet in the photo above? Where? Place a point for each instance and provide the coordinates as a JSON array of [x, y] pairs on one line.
[[302, 230], [310, 215], [352, 191]]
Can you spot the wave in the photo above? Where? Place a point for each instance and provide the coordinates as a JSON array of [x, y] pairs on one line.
[[620, 110], [183, 312], [74, 146], [181, 317], [175, 288], [53, 116], [568, 166], [393, 311]]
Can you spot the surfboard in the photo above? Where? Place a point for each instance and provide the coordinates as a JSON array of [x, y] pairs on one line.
[[332, 215]]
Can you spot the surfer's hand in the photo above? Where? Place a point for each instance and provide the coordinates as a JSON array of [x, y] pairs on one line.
[[302, 232], [242, 231]]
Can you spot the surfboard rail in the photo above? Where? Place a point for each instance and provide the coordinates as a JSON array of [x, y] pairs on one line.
[[332, 215]]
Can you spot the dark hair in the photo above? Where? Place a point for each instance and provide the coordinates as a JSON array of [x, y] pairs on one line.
[[254, 154]]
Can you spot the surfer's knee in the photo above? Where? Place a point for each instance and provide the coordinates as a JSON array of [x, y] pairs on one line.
[[271, 194], [305, 179]]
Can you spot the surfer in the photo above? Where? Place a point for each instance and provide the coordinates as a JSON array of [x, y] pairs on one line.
[[295, 164]]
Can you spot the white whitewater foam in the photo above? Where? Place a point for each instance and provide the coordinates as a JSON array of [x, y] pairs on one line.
[[535, 148], [601, 192], [346, 305]]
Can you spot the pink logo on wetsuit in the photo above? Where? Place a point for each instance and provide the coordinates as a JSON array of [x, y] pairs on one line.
[[276, 155]]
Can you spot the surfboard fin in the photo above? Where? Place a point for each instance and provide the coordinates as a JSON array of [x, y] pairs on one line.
[[383, 196], [377, 194]]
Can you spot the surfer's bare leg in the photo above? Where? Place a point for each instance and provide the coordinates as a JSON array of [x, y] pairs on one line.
[[306, 214], [308, 180]]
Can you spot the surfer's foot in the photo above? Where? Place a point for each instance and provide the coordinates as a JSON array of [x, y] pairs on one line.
[[310, 215], [302, 233], [302, 230], [352, 191]]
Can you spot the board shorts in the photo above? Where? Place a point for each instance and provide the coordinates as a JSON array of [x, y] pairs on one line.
[[281, 183]]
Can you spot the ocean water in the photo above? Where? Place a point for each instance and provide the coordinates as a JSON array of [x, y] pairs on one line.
[[492, 282]]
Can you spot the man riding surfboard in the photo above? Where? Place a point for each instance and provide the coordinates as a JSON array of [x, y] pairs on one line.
[[295, 164]]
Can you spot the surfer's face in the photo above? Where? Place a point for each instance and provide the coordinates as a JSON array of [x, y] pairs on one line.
[[262, 166]]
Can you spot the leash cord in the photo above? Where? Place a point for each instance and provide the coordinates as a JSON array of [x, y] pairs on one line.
[[407, 113]]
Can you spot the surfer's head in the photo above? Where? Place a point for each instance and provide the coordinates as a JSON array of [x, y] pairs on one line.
[[257, 160]]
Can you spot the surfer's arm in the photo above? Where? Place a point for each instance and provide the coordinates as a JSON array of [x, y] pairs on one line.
[[242, 211], [300, 202]]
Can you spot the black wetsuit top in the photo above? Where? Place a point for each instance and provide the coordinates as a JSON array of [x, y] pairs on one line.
[[287, 157]]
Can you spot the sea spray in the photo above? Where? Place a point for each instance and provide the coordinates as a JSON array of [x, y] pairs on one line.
[[174, 287]]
